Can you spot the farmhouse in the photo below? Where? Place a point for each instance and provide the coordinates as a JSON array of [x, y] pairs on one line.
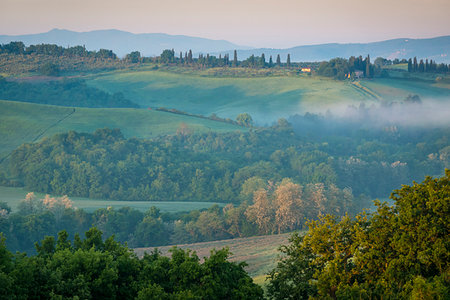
[[357, 75]]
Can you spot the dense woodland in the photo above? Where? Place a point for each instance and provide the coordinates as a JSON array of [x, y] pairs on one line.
[[217, 166], [396, 252], [66, 92], [93, 268]]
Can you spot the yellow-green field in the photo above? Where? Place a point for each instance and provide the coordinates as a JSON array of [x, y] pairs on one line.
[[26, 122], [12, 196], [259, 252], [265, 98]]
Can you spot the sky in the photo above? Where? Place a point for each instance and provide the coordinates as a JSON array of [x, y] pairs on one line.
[[256, 23]]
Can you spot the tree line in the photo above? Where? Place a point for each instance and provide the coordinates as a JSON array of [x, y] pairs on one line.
[[426, 67], [166, 57], [66, 92], [271, 208], [55, 50]]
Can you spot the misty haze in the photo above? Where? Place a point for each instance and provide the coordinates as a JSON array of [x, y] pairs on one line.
[[232, 150]]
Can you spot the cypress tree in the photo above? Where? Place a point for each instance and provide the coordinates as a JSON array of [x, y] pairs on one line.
[[421, 66], [181, 57], [288, 61], [368, 74], [270, 62], [235, 61], [410, 65], [427, 66], [415, 67], [263, 60], [190, 56], [278, 60]]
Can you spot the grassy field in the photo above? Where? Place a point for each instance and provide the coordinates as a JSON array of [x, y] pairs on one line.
[[26, 122], [396, 89], [265, 98], [13, 196], [259, 252]]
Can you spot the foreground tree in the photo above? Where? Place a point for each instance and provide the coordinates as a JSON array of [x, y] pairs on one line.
[[397, 252], [91, 268]]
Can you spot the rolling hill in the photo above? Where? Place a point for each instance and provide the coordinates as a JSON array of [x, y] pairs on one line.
[[266, 99], [28, 122]]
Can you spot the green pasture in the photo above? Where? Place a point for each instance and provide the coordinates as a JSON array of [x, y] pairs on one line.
[[397, 89], [265, 98], [25, 122], [13, 196]]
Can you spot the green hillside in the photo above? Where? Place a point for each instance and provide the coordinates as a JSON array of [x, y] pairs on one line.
[[265, 98], [27, 122]]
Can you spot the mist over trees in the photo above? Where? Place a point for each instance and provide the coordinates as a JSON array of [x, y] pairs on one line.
[[214, 166]]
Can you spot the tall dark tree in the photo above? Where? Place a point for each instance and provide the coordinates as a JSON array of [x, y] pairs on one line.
[[278, 60], [421, 66], [263, 60], [410, 67], [288, 61], [427, 66], [415, 66], [368, 73], [270, 62], [235, 60], [190, 56]]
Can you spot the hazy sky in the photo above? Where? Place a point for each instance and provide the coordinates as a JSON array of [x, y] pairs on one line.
[[259, 23]]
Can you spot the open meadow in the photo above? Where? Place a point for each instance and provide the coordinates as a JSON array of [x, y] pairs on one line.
[[265, 98], [26, 122], [13, 195]]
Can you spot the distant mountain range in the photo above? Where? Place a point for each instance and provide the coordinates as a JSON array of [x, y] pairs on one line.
[[151, 44], [437, 48], [122, 42]]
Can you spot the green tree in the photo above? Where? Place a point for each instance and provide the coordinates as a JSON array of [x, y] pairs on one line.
[[288, 61], [244, 119]]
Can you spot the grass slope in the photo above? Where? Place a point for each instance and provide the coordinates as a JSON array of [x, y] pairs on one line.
[[265, 98], [27, 122], [12, 196], [259, 252], [397, 89]]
